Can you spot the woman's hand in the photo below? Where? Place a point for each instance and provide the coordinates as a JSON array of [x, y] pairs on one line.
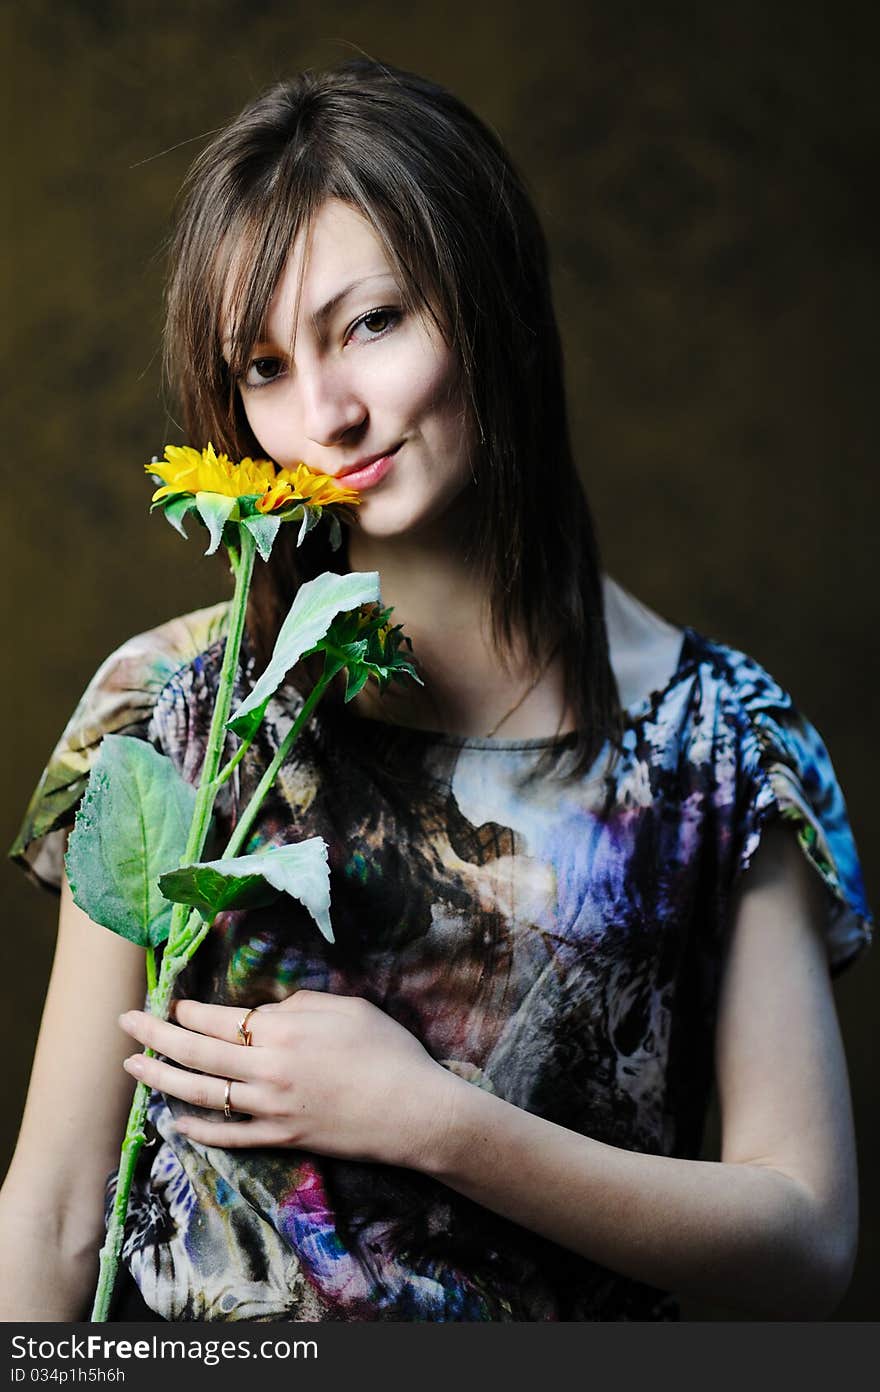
[[326, 1073]]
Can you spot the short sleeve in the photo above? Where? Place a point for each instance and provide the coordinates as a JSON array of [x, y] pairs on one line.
[[786, 771], [120, 699]]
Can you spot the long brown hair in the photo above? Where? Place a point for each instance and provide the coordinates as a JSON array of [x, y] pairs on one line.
[[466, 246]]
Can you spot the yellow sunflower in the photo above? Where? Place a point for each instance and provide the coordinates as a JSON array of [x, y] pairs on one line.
[[188, 470], [321, 490]]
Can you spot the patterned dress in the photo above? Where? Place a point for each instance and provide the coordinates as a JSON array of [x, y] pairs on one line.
[[556, 942]]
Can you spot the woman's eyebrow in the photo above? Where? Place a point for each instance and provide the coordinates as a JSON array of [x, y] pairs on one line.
[[320, 317]]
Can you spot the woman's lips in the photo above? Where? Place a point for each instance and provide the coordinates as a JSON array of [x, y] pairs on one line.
[[370, 473]]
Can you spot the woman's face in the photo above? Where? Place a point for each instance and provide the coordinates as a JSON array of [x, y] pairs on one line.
[[369, 393]]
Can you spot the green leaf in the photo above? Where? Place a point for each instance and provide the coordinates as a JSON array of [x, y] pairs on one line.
[[347, 655], [311, 614], [356, 678], [311, 516], [177, 509], [247, 505], [365, 642], [211, 893], [264, 529], [343, 630], [215, 510], [299, 870], [133, 822]]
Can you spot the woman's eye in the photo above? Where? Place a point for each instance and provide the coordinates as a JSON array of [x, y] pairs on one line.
[[263, 370], [376, 323]]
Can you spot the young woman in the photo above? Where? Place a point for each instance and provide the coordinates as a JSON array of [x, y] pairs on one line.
[[596, 861]]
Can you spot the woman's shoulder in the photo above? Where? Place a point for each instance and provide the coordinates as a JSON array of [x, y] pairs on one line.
[[124, 691], [644, 648], [120, 698], [707, 716], [654, 658], [149, 659], [757, 756], [720, 708], [734, 692]]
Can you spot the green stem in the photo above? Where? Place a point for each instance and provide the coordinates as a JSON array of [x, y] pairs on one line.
[[151, 969], [207, 790], [246, 821], [173, 963], [160, 998], [242, 565], [229, 768], [185, 934], [112, 1249]]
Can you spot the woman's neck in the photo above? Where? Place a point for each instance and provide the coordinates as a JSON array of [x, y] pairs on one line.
[[440, 600], [431, 585]]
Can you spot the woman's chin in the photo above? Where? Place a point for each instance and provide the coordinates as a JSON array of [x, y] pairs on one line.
[[395, 519]]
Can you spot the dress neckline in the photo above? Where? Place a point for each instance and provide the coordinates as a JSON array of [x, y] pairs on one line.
[[634, 713]]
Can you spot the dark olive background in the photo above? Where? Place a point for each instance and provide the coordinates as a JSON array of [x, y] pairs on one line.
[[703, 172]]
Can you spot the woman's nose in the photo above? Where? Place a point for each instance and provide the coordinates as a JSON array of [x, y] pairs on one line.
[[330, 404]]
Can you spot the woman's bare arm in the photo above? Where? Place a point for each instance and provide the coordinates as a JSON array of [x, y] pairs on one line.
[[51, 1204]]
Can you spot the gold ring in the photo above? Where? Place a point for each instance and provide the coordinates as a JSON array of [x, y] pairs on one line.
[[242, 1030], [226, 1091]]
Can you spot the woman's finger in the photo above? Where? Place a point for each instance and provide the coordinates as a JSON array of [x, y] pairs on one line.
[[201, 1051], [319, 1000], [231, 1135], [220, 1021], [197, 1088]]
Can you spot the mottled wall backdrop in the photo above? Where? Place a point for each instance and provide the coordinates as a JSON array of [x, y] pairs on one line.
[[704, 173]]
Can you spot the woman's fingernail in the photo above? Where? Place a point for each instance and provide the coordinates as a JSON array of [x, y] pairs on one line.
[[135, 1064]]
